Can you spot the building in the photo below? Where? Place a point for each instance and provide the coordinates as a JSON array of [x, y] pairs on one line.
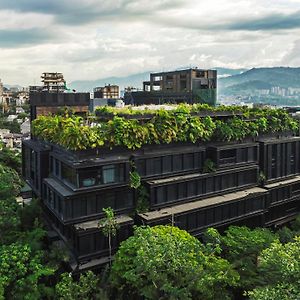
[[190, 85], [107, 92], [51, 98], [253, 182], [53, 82]]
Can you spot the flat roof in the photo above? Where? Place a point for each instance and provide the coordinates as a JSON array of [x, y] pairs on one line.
[[58, 187], [280, 140], [199, 175], [201, 204], [285, 182], [95, 223]]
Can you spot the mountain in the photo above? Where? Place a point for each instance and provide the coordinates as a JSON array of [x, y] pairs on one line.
[[8, 86], [261, 78], [225, 72], [250, 85], [135, 80]]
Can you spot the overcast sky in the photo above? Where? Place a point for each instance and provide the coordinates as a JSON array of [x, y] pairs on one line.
[[91, 39]]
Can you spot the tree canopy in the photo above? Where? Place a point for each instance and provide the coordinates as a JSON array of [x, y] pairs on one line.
[[164, 262]]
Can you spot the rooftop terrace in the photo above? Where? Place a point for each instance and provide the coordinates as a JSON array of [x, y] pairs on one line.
[[133, 127]]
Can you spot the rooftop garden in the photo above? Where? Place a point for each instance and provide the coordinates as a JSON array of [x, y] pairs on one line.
[[181, 123]]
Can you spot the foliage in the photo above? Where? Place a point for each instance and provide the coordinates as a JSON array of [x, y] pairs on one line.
[[13, 126], [11, 159], [280, 267], [142, 204], [295, 225], [9, 220], [209, 166], [181, 124], [20, 272], [241, 247], [134, 180], [109, 226], [164, 262], [10, 182], [261, 178], [86, 288]]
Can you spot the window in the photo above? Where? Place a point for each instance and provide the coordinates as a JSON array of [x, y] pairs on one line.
[[56, 167], [108, 173], [89, 177], [68, 174]]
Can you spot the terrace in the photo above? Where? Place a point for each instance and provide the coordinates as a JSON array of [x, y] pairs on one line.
[[133, 128]]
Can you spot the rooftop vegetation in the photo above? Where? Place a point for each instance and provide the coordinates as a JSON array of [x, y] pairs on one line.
[[183, 123]]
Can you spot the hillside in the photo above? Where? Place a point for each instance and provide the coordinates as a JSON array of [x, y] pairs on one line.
[[259, 78], [135, 80]]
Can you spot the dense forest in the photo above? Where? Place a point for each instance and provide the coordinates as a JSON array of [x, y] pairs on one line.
[[161, 262]]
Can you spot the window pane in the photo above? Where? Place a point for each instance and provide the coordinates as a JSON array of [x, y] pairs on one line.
[[89, 177], [108, 174], [68, 174]]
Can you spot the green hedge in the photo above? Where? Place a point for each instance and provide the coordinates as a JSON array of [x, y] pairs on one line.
[[178, 125]]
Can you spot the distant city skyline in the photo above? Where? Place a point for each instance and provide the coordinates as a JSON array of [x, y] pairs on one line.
[[91, 39]]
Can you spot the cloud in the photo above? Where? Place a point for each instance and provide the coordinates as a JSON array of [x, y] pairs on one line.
[[79, 12], [270, 22], [26, 37]]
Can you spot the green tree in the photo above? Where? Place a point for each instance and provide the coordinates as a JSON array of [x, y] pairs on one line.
[[86, 288], [10, 182], [20, 272], [109, 227], [9, 220], [10, 158], [279, 265], [164, 262], [241, 247]]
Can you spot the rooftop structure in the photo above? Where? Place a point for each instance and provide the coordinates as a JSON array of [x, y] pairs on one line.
[[51, 98], [191, 166], [189, 85]]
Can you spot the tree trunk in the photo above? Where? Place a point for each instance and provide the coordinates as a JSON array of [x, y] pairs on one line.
[[109, 245]]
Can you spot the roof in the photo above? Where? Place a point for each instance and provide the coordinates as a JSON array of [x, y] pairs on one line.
[[285, 182], [182, 208], [58, 187], [95, 223], [198, 175]]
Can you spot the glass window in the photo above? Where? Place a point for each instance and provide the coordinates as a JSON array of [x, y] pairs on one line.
[[108, 173], [89, 177], [68, 174], [56, 167]]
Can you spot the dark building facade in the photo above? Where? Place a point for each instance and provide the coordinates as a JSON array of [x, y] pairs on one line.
[[189, 85], [75, 186], [44, 103]]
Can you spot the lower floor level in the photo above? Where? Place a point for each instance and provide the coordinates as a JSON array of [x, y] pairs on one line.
[[268, 206]]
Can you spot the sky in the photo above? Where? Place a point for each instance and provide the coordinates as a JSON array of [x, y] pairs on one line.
[[93, 39]]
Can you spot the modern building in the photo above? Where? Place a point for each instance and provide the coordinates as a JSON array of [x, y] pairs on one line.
[[53, 82], [190, 85], [107, 92], [51, 98], [254, 182]]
